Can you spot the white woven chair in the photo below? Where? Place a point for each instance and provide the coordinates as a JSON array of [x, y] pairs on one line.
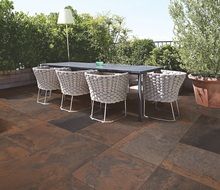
[[163, 87], [47, 81], [72, 83], [107, 89]]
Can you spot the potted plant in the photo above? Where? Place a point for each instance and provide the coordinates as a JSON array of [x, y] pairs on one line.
[[197, 30]]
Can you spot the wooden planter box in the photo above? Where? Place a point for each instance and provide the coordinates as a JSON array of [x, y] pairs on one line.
[[9, 79]]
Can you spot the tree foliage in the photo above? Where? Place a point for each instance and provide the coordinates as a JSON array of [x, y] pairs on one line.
[[27, 41], [197, 29]]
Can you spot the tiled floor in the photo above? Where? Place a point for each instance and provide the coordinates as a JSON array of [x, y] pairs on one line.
[[44, 148]]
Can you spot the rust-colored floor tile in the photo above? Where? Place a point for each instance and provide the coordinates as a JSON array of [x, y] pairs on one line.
[[37, 137], [153, 142], [11, 115], [198, 164], [114, 170], [19, 93], [78, 185], [35, 154], [50, 168], [19, 176], [35, 110], [205, 134], [10, 151], [163, 179], [65, 182], [47, 112], [70, 152], [31, 173], [6, 126], [109, 133]]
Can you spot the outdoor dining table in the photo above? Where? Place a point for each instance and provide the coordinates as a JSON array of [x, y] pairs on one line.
[[119, 68]]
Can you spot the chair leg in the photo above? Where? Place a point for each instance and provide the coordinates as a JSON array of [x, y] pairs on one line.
[[38, 95], [71, 103], [174, 118], [105, 112], [92, 109], [161, 119], [39, 100], [45, 97], [61, 105], [144, 107], [125, 102], [177, 107]]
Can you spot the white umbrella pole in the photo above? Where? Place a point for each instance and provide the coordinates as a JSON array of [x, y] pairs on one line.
[[67, 43]]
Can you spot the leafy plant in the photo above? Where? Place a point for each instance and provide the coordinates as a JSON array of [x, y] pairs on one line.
[[135, 52], [197, 27], [166, 56]]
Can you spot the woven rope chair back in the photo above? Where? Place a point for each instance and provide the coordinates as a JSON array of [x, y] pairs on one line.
[[72, 82], [46, 78], [164, 86], [109, 88]]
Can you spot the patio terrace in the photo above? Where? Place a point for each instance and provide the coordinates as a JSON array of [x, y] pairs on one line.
[[42, 147]]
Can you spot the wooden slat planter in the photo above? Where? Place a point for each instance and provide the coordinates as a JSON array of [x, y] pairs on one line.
[[9, 79]]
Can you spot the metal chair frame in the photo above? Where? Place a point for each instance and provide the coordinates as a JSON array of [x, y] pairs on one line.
[[172, 109], [44, 98], [105, 113], [71, 104]]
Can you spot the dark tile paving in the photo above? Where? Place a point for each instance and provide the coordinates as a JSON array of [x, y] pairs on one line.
[[198, 164], [114, 170], [43, 148], [163, 179], [189, 110], [205, 134], [73, 123]]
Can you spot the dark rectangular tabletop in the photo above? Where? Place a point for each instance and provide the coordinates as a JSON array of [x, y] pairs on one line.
[[133, 69]]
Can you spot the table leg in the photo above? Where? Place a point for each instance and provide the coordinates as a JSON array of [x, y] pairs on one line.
[[140, 114]]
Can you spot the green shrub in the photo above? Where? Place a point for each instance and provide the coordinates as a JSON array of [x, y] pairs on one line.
[[27, 41], [134, 52], [166, 56]]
